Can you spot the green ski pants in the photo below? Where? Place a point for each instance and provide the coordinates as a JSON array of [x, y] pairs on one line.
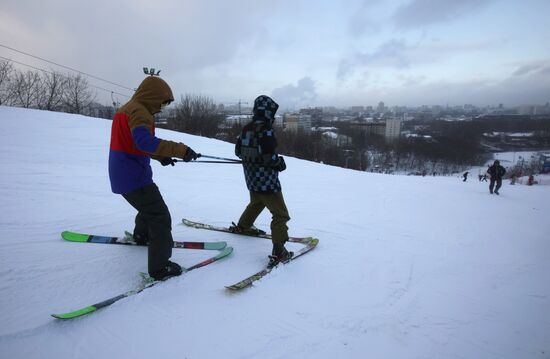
[[276, 205]]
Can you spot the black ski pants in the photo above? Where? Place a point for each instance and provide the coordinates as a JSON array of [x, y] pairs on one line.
[[153, 223], [492, 184]]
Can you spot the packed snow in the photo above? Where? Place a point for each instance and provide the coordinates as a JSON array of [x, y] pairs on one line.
[[406, 267]]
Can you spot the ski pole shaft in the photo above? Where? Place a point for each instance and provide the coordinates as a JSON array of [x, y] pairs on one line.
[[227, 162], [219, 158]]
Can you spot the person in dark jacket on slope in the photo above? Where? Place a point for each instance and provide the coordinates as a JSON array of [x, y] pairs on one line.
[[257, 147], [133, 144], [496, 172]]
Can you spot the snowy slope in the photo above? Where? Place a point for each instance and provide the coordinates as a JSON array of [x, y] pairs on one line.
[[407, 267]]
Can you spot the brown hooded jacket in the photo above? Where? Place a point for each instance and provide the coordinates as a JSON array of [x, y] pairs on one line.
[[151, 94]]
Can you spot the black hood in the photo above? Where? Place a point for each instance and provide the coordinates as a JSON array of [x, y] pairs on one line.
[[264, 106]]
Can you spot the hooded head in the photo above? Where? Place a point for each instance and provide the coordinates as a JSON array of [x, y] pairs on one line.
[[264, 106], [152, 93], [496, 163]]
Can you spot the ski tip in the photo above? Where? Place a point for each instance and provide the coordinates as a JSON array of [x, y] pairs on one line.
[[313, 241], [74, 237], [215, 245], [66, 234], [75, 314], [232, 288]]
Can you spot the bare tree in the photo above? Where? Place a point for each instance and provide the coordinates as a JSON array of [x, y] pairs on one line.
[[6, 70], [25, 88], [196, 114], [77, 96], [53, 88]]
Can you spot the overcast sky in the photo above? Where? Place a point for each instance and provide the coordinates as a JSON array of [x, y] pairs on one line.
[[302, 53]]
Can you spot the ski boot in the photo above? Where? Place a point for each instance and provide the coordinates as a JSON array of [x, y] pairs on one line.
[[134, 239], [170, 270], [252, 231], [279, 255]]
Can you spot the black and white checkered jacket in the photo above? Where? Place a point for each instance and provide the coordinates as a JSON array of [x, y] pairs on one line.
[[257, 146]]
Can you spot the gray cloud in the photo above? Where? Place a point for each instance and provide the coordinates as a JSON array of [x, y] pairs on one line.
[[364, 20], [530, 88], [420, 13], [393, 53], [116, 39], [400, 54], [301, 94], [533, 69], [529, 83]]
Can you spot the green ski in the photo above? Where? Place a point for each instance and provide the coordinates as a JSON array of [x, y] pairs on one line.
[[91, 238], [309, 244], [259, 275], [148, 283]]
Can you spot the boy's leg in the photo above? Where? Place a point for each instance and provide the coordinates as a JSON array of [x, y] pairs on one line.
[[491, 185], [141, 230], [252, 211], [276, 205], [154, 212]]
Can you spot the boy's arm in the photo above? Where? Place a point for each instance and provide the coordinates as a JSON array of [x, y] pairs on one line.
[[140, 124]]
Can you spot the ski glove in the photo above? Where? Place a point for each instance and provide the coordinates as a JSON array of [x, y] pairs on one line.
[[280, 164], [167, 161], [190, 155]]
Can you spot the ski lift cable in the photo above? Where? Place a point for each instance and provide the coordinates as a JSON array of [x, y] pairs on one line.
[[51, 72], [66, 67]]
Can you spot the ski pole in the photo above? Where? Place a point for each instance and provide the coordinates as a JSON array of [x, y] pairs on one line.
[[219, 158], [227, 162]]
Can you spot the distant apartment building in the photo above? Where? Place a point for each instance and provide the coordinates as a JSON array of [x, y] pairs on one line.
[[329, 110], [393, 129], [390, 129], [297, 122], [375, 128], [357, 109], [534, 110]]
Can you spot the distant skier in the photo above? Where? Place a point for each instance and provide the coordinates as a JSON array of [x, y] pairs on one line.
[[257, 147], [484, 178], [465, 176], [133, 144], [496, 172]]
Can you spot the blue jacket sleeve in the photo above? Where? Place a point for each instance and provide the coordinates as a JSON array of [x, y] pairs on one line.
[[144, 140]]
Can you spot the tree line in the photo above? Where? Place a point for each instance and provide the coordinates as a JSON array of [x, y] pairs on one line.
[[45, 90]]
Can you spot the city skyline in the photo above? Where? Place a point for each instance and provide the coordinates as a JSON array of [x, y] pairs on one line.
[[303, 54]]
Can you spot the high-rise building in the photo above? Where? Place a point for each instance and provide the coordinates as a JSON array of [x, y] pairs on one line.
[[297, 122], [393, 128]]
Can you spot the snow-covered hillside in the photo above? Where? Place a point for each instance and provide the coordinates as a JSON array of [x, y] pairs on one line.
[[406, 267]]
